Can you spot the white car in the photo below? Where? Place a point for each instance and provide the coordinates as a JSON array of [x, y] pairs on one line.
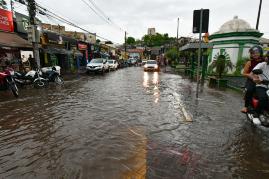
[[151, 65], [113, 64], [98, 65]]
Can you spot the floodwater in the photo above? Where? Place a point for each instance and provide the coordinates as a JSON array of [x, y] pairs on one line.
[[129, 124]]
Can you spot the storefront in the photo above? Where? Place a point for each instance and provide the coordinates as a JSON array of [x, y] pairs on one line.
[[59, 50], [83, 48], [11, 45]]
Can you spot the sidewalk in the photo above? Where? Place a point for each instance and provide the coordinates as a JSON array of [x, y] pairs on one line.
[[68, 76]]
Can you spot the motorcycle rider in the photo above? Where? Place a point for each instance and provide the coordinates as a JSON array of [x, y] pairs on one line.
[[256, 54], [261, 88]]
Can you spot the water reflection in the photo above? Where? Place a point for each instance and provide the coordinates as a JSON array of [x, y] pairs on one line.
[[135, 164], [146, 80], [151, 82]]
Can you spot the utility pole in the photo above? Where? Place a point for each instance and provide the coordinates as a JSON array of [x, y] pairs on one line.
[[125, 47], [177, 35], [199, 54], [12, 7], [259, 13], [35, 36]]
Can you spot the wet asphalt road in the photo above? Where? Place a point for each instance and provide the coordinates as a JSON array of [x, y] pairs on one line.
[[129, 124]]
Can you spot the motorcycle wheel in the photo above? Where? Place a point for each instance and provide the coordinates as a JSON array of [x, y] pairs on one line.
[[59, 80], [40, 83]]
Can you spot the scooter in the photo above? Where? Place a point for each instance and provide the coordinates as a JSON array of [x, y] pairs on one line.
[[7, 81], [252, 116]]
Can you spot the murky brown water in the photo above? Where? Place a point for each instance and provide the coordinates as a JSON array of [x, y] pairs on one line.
[[128, 124]]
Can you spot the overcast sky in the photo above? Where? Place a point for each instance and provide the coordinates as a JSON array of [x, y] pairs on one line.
[[136, 16]]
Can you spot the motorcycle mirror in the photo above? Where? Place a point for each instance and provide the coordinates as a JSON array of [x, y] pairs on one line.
[[257, 71]]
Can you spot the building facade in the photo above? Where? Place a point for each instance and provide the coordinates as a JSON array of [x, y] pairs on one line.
[[233, 40]]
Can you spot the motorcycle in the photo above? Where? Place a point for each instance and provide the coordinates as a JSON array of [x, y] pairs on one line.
[[7, 81], [251, 114], [52, 74], [40, 78], [31, 77]]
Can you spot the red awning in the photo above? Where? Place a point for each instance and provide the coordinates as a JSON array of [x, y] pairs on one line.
[[13, 40]]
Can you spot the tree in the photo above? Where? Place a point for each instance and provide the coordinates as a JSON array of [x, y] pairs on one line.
[[98, 41], [156, 40], [130, 41], [222, 64], [172, 55]]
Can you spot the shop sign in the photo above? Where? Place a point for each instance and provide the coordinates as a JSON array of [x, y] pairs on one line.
[[22, 22], [82, 46], [6, 21]]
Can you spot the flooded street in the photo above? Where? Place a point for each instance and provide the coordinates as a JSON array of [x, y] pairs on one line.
[[129, 124]]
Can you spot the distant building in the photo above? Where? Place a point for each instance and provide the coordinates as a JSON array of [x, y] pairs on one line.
[[264, 42], [151, 31], [54, 28]]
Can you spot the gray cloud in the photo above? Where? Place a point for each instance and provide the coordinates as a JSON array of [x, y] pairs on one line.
[[136, 16]]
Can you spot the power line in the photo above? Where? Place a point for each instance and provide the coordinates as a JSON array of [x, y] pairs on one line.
[[106, 20], [101, 14], [62, 19], [47, 12]]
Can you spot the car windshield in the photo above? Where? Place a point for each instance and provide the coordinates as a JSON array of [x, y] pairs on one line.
[[151, 62], [110, 61], [98, 60]]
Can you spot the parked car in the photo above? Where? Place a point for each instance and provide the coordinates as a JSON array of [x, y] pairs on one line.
[[134, 62], [151, 65], [98, 65], [113, 64], [144, 61]]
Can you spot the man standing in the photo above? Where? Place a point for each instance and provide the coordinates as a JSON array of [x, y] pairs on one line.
[[32, 62]]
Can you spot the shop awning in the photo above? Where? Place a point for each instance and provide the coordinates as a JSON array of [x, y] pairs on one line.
[[13, 40], [193, 46]]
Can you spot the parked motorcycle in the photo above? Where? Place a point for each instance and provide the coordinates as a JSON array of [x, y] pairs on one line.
[[40, 78], [7, 81], [52, 74], [31, 77], [252, 116]]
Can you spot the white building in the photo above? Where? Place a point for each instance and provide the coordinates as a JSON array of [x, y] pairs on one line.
[[233, 40], [151, 31]]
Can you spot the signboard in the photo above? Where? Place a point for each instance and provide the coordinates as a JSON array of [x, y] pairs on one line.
[[6, 21], [22, 22], [196, 20]]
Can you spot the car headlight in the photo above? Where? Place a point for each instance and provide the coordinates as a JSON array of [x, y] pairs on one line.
[[156, 66], [146, 66]]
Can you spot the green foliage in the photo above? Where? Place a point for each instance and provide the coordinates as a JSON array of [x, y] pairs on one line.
[[222, 64], [98, 41], [130, 41], [172, 55], [156, 40], [240, 65]]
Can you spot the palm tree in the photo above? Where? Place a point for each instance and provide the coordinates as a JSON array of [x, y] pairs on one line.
[[222, 64]]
